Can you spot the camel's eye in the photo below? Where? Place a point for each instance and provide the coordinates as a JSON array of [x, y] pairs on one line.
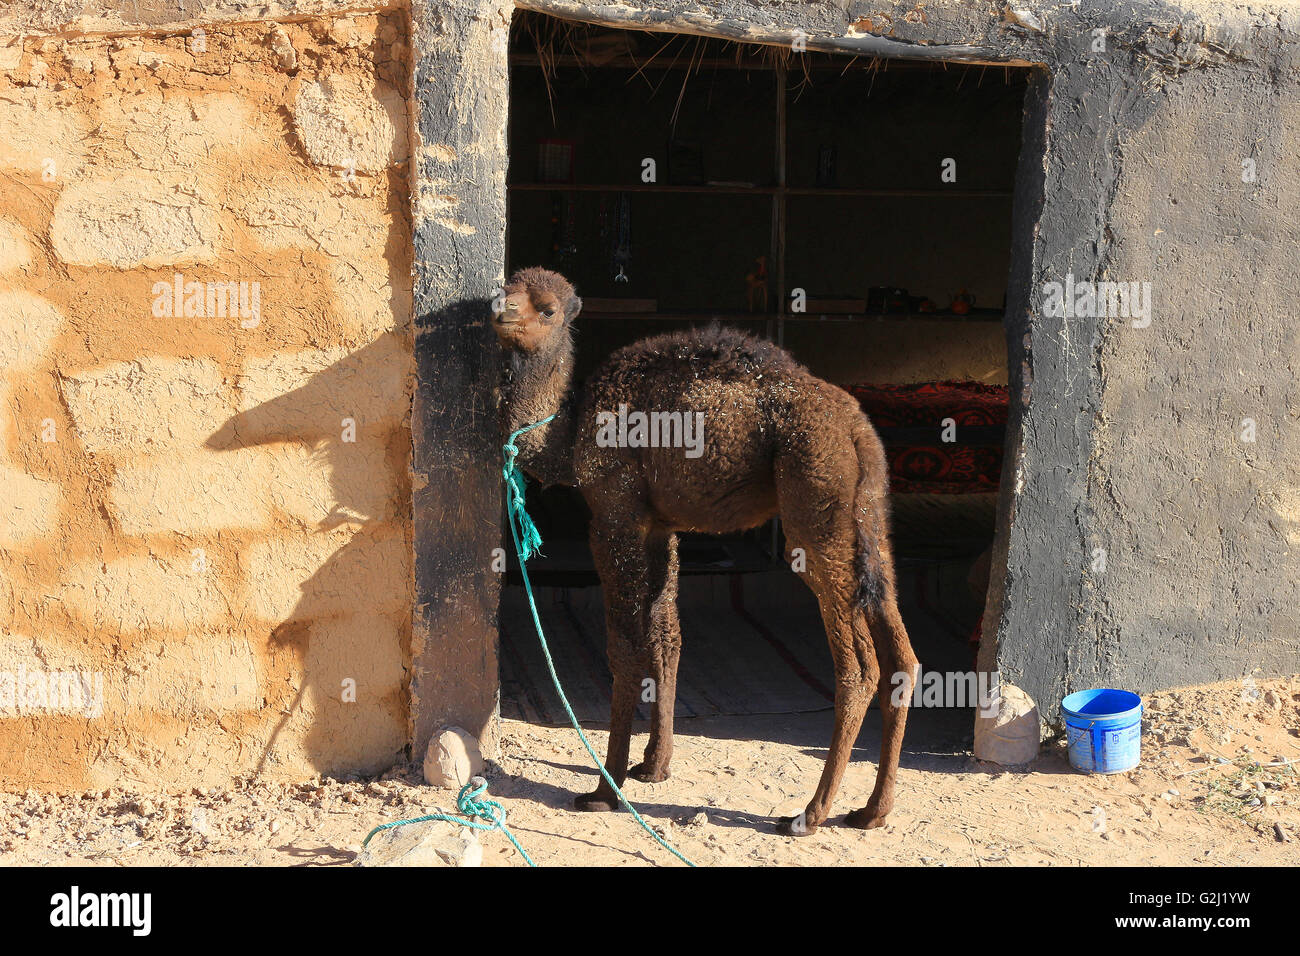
[[549, 313]]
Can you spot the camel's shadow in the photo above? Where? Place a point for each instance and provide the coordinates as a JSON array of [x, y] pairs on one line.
[[946, 749], [336, 654]]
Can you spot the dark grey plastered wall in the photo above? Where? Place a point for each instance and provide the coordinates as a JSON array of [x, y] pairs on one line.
[[1129, 439]]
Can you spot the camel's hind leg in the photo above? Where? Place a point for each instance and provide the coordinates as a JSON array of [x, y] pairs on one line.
[[900, 668], [856, 677], [817, 512]]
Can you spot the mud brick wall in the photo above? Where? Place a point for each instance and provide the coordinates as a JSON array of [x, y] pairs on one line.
[[207, 506]]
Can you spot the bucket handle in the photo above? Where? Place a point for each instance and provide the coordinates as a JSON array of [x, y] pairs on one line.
[[1093, 721]]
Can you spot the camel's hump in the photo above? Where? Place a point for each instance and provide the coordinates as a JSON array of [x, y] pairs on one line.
[[712, 349]]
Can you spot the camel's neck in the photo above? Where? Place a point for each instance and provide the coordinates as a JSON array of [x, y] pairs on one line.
[[533, 387]]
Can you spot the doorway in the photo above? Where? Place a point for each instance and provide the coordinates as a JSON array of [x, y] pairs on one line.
[[857, 212]]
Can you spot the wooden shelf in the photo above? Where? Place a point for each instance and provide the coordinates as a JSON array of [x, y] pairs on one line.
[[840, 192], [780, 193], [827, 191], [639, 188], [975, 315], [818, 60], [682, 316]]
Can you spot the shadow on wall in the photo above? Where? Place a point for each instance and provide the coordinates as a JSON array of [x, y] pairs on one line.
[[335, 664]]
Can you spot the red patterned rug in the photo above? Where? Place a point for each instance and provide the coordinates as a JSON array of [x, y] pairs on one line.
[[911, 420]]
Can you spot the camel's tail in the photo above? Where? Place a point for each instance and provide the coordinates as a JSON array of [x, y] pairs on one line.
[[873, 562]]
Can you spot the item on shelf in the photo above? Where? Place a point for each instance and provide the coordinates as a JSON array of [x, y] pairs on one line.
[[602, 224], [563, 229], [756, 282], [962, 303], [886, 299], [555, 160], [926, 305], [591, 304], [826, 173], [838, 305], [621, 253], [685, 163]]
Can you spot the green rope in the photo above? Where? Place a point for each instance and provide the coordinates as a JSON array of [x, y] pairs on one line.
[[469, 805], [527, 540], [527, 535], [532, 538]]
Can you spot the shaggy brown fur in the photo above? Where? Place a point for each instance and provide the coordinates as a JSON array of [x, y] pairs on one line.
[[776, 440]]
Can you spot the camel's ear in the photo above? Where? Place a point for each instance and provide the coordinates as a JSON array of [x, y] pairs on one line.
[[572, 308]]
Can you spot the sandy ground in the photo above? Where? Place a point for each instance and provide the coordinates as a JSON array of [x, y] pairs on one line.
[[1214, 788]]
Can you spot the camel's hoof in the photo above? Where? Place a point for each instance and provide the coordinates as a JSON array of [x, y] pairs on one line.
[[646, 773], [594, 802], [795, 826], [865, 819]]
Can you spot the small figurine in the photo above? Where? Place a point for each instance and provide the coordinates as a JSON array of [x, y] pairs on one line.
[[962, 302], [757, 286]]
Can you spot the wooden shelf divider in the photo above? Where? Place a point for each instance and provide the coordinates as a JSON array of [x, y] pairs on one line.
[[780, 193]]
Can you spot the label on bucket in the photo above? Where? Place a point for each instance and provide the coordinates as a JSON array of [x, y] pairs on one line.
[[1111, 750]]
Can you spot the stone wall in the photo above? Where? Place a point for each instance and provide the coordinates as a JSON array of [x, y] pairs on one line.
[[205, 377]]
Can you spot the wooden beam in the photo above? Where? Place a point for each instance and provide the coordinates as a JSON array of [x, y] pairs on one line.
[[459, 215], [698, 22], [725, 63]]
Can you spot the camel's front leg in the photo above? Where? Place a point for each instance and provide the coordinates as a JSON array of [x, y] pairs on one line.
[[665, 651], [622, 709], [618, 544]]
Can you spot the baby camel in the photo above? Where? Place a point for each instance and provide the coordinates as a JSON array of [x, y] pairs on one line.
[[776, 440]]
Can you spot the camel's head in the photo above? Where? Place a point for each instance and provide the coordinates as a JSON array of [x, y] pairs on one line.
[[535, 306]]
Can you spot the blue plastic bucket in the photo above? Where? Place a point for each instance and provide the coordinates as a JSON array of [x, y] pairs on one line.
[[1104, 728]]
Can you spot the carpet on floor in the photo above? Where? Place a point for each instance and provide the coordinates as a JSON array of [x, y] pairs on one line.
[[751, 644]]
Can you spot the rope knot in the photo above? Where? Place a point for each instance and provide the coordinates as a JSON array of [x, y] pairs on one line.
[[528, 538], [467, 802]]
